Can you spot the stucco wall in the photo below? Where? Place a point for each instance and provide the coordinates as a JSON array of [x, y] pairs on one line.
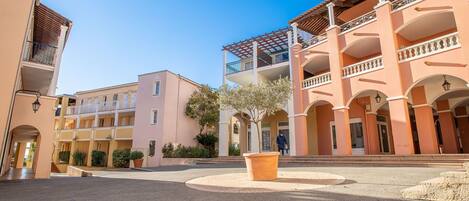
[[172, 126], [14, 16]]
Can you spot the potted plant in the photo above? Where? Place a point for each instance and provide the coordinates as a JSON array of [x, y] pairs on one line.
[[254, 102], [137, 158]]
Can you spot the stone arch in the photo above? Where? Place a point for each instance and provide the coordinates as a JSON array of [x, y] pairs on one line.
[[371, 91], [316, 102], [441, 76]]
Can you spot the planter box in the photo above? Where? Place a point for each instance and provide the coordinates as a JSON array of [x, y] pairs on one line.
[[262, 166]]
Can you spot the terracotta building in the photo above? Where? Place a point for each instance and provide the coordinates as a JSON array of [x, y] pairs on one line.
[[369, 77]]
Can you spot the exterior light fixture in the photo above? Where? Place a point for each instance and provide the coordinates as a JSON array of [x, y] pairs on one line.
[[36, 104], [446, 85], [378, 98]]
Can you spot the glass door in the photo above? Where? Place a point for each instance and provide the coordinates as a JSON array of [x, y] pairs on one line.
[[383, 137], [356, 136], [266, 137]]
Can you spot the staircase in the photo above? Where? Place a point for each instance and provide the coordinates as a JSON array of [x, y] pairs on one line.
[[448, 187], [437, 160]]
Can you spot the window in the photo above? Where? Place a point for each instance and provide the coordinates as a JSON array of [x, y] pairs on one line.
[[101, 122], [282, 57], [156, 88], [154, 117]]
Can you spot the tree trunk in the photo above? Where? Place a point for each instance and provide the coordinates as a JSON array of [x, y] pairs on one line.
[[259, 139]]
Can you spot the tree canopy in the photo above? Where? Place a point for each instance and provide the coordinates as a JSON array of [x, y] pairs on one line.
[[203, 106]]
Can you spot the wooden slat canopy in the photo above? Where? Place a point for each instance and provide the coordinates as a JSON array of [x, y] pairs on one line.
[[315, 20], [269, 43], [47, 25]]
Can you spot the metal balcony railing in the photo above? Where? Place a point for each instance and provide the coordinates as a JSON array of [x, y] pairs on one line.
[[397, 4], [40, 53], [431, 47], [317, 80], [363, 67], [353, 24]]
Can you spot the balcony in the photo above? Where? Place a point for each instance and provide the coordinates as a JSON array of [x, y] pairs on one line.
[[315, 40], [363, 67], [358, 22], [247, 64], [40, 53], [236, 67], [431, 47], [317, 81]]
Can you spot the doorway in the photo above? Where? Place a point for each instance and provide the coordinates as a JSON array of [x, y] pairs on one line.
[[283, 129], [356, 136]]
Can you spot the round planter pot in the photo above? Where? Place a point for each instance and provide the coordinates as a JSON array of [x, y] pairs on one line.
[[262, 166], [138, 163]]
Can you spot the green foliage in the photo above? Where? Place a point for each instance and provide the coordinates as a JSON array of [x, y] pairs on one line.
[[234, 150], [207, 140], [257, 100], [134, 155], [79, 158], [64, 156], [203, 106], [121, 158], [185, 152], [168, 150], [98, 158]]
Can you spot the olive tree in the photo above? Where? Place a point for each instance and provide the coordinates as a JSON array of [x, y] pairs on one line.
[[203, 106], [257, 100]]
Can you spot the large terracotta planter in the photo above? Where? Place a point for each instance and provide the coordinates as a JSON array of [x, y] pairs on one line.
[[262, 166], [138, 163]]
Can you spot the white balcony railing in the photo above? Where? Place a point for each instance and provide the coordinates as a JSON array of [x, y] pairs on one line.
[[355, 23], [363, 67], [434, 46], [317, 80], [71, 110], [107, 106]]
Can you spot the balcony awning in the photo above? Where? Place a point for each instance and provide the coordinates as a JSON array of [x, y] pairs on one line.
[[316, 19], [47, 24], [270, 43]]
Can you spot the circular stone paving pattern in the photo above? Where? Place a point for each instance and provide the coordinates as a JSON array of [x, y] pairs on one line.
[[287, 181]]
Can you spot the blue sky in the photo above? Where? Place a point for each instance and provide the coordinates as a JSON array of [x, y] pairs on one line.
[[113, 41]]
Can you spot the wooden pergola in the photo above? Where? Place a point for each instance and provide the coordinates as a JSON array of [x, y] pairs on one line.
[[269, 43], [47, 24], [316, 19]]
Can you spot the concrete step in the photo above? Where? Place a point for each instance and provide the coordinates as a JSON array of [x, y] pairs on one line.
[[347, 163]]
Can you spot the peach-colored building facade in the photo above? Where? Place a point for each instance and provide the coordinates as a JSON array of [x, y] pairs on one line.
[[33, 39], [377, 77], [132, 116]]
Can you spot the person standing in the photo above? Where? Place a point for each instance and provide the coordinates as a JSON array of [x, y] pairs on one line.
[[281, 143]]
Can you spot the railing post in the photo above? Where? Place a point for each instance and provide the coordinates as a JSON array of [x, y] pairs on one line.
[[57, 60]]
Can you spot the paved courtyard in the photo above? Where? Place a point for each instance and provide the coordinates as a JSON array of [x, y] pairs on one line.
[[168, 183]]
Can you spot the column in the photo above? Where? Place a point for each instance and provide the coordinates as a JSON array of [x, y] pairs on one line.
[[425, 123], [90, 150], [254, 62], [290, 105], [225, 59], [463, 124], [342, 128], [399, 113], [426, 129], [372, 134], [21, 147], [448, 128], [297, 76], [72, 151], [400, 123], [57, 59], [112, 147], [341, 113], [223, 134], [330, 13]]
